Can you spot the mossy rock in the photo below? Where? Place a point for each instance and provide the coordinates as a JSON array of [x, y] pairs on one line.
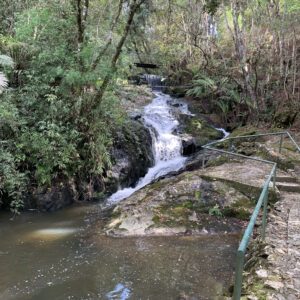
[[250, 191], [285, 118], [244, 130], [202, 132], [131, 156], [239, 213], [176, 92]]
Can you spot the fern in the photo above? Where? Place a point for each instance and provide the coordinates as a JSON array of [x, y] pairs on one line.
[[234, 95], [203, 86], [6, 61], [224, 106], [3, 82]]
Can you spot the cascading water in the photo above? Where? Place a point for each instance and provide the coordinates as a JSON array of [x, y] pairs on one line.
[[156, 82], [226, 133], [167, 147]]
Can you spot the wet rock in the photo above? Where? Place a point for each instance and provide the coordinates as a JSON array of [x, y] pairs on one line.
[[188, 144], [197, 127], [131, 155], [135, 115], [184, 204], [58, 196]]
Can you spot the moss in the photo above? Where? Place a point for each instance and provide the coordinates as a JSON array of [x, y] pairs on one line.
[[283, 164], [245, 130], [258, 289], [157, 184], [174, 215], [116, 213], [176, 211], [290, 147], [238, 213], [217, 162], [156, 219], [244, 203], [197, 195], [200, 130], [249, 191]]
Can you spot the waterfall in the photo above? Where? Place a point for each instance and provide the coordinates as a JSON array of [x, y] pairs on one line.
[[156, 82], [167, 147], [226, 133]]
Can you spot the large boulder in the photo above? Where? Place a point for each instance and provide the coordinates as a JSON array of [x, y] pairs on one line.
[[131, 156], [185, 204], [201, 131], [59, 195], [217, 199]]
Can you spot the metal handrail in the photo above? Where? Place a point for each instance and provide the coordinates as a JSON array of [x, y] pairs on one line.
[[262, 200]]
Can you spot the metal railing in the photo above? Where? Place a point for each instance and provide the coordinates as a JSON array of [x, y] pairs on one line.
[[262, 200]]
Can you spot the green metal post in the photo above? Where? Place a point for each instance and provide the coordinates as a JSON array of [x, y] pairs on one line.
[[280, 144], [238, 275], [264, 220]]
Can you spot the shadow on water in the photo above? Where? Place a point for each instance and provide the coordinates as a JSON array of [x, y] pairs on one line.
[[62, 256]]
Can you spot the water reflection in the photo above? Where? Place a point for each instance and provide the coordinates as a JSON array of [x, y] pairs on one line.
[[81, 264], [51, 233], [120, 292]]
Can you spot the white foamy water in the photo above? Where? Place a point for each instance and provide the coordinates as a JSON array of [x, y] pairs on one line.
[[167, 147], [226, 133]]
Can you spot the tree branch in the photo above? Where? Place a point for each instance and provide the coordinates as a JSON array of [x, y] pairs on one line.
[[108, 43], [133, 9]]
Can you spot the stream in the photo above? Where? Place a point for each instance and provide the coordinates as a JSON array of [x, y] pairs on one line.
[[167, 147], [62, 255]]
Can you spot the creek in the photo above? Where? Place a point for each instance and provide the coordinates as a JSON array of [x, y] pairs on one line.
[[167, 147], [62, 255]]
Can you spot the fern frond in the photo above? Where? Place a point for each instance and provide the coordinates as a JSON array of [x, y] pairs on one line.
[[234, 96], [224, 106], [3, 82], [6, 61]]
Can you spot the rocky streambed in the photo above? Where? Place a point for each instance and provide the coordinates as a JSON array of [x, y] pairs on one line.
[[172, 235], [176, 196]]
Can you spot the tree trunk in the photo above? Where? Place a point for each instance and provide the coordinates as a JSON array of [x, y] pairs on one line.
[[241, 52], [132, 11]]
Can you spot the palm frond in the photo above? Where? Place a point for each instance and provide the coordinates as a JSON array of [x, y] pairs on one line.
[[3, 82]]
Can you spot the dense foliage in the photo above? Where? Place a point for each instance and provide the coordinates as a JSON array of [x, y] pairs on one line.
[[241, 55], [60, 58], [62, 61]]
